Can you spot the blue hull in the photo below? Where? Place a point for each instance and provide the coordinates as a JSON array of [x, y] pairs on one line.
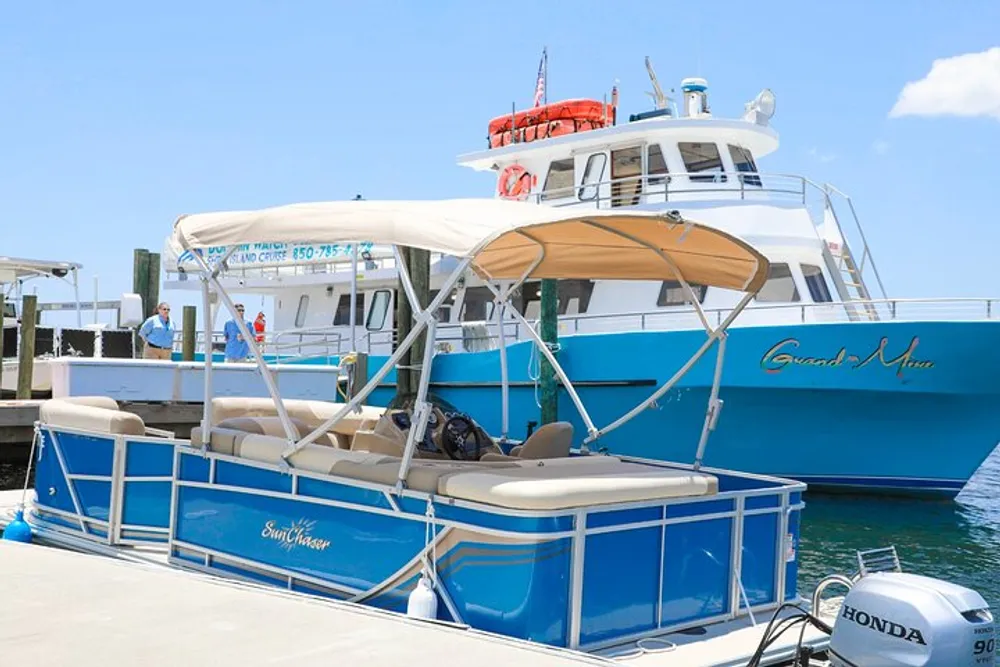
[[827, 404]]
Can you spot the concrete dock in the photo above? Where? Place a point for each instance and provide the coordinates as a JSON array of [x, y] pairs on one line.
[[63, 608]]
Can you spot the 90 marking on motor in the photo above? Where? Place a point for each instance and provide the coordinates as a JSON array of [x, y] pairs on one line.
[[984, 650]]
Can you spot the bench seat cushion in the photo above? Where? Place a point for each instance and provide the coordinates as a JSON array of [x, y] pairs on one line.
[[575, 485]]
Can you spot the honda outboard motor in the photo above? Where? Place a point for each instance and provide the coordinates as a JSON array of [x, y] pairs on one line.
[[892, 619]]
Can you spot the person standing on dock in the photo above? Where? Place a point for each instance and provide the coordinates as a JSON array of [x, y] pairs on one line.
[[237, 348], [157, 334]]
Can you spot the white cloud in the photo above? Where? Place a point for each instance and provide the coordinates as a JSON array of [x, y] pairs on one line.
[[822, 157], [881, 147], [966, 85]]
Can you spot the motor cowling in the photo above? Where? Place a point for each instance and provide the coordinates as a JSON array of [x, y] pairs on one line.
[[891, 619]]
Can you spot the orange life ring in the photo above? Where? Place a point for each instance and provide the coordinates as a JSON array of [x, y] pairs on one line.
[[514, 183]]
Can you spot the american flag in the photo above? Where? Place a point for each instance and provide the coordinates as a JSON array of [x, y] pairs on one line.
[[540, 85]]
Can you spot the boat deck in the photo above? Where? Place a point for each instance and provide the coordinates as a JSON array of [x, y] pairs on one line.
[[63, 607]]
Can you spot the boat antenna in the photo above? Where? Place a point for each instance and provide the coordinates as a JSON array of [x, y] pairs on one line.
[[658, 95]]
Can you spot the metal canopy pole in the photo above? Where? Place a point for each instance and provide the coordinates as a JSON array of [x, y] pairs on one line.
[[206, 418], [714, 404], [717, 333], [499, 308], [354, 295], [423, 319], [265, 372], [570, 389], [76, 297], [421, 409]]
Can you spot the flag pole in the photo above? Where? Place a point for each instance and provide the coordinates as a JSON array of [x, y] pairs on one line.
[[545, 74]]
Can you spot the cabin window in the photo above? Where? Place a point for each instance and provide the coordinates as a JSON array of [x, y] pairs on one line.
[[559, 180], [300, 312], [574, 296], [656, 165], [626, 176], [702, 158], [443, 313], [816, 283], [780, 286], [379, 310], [9, 312], [743, 161], [592, 175], [343, 315], [477, 305], [672, 293]]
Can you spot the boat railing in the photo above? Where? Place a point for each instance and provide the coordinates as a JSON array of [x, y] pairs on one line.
[[820, 201], [686, 186], [325, 342]]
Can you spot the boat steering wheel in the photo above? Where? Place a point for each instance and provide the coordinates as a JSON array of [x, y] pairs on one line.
[[455, 437]]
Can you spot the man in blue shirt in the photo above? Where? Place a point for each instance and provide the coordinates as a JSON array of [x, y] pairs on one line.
[[157, 333], [237, 349]]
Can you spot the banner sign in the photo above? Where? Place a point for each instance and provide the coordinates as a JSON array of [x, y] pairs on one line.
[[259, 255]]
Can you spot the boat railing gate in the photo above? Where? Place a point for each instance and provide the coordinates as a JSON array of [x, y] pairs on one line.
[[307, 343]]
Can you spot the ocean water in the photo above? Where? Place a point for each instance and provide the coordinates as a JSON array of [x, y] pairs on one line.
[[957, 540]]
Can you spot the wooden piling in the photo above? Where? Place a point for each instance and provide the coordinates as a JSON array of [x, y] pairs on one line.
[[550, 335], [188, 333], [140, 286], [420, 274], [26, 350], [404, 323]]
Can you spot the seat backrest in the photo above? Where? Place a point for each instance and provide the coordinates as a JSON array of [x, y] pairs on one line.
[[90, 417], [551, 441]]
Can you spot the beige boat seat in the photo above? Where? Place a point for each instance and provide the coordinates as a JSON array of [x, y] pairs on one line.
[[551, 441], [311, 413], [576, 482], [98, 414], [540, 484], [268, 426]]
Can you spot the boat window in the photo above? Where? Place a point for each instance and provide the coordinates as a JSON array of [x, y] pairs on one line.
[[343, 315], [702, 157], [592, 175], [477, 305], [379, 310], [559, 180], [443, 313], [574, 296], [626, 176], [672, 293], [780, 285], [743, 160], [300, 312], [656, 165], [9, 312], [816, 283]]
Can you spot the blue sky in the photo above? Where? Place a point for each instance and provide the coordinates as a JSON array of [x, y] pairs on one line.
[[119, 116]]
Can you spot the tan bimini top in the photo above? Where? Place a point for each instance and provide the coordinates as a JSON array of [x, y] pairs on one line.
[[506, 239]]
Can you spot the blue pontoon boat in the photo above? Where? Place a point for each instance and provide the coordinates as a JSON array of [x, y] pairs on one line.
[[417, 509]]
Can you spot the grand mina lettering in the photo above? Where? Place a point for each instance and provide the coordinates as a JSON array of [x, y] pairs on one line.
[[780, 356]]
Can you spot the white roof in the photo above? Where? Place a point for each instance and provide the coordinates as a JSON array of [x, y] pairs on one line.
[[506, 238], [15, 268]]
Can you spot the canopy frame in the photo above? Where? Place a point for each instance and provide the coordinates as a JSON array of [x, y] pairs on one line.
[[424, 318]]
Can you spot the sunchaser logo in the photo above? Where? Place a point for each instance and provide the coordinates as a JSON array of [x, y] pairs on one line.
[[882, 625], [299, 534]]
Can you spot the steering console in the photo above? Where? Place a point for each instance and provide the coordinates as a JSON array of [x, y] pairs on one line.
[[460, 438]]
